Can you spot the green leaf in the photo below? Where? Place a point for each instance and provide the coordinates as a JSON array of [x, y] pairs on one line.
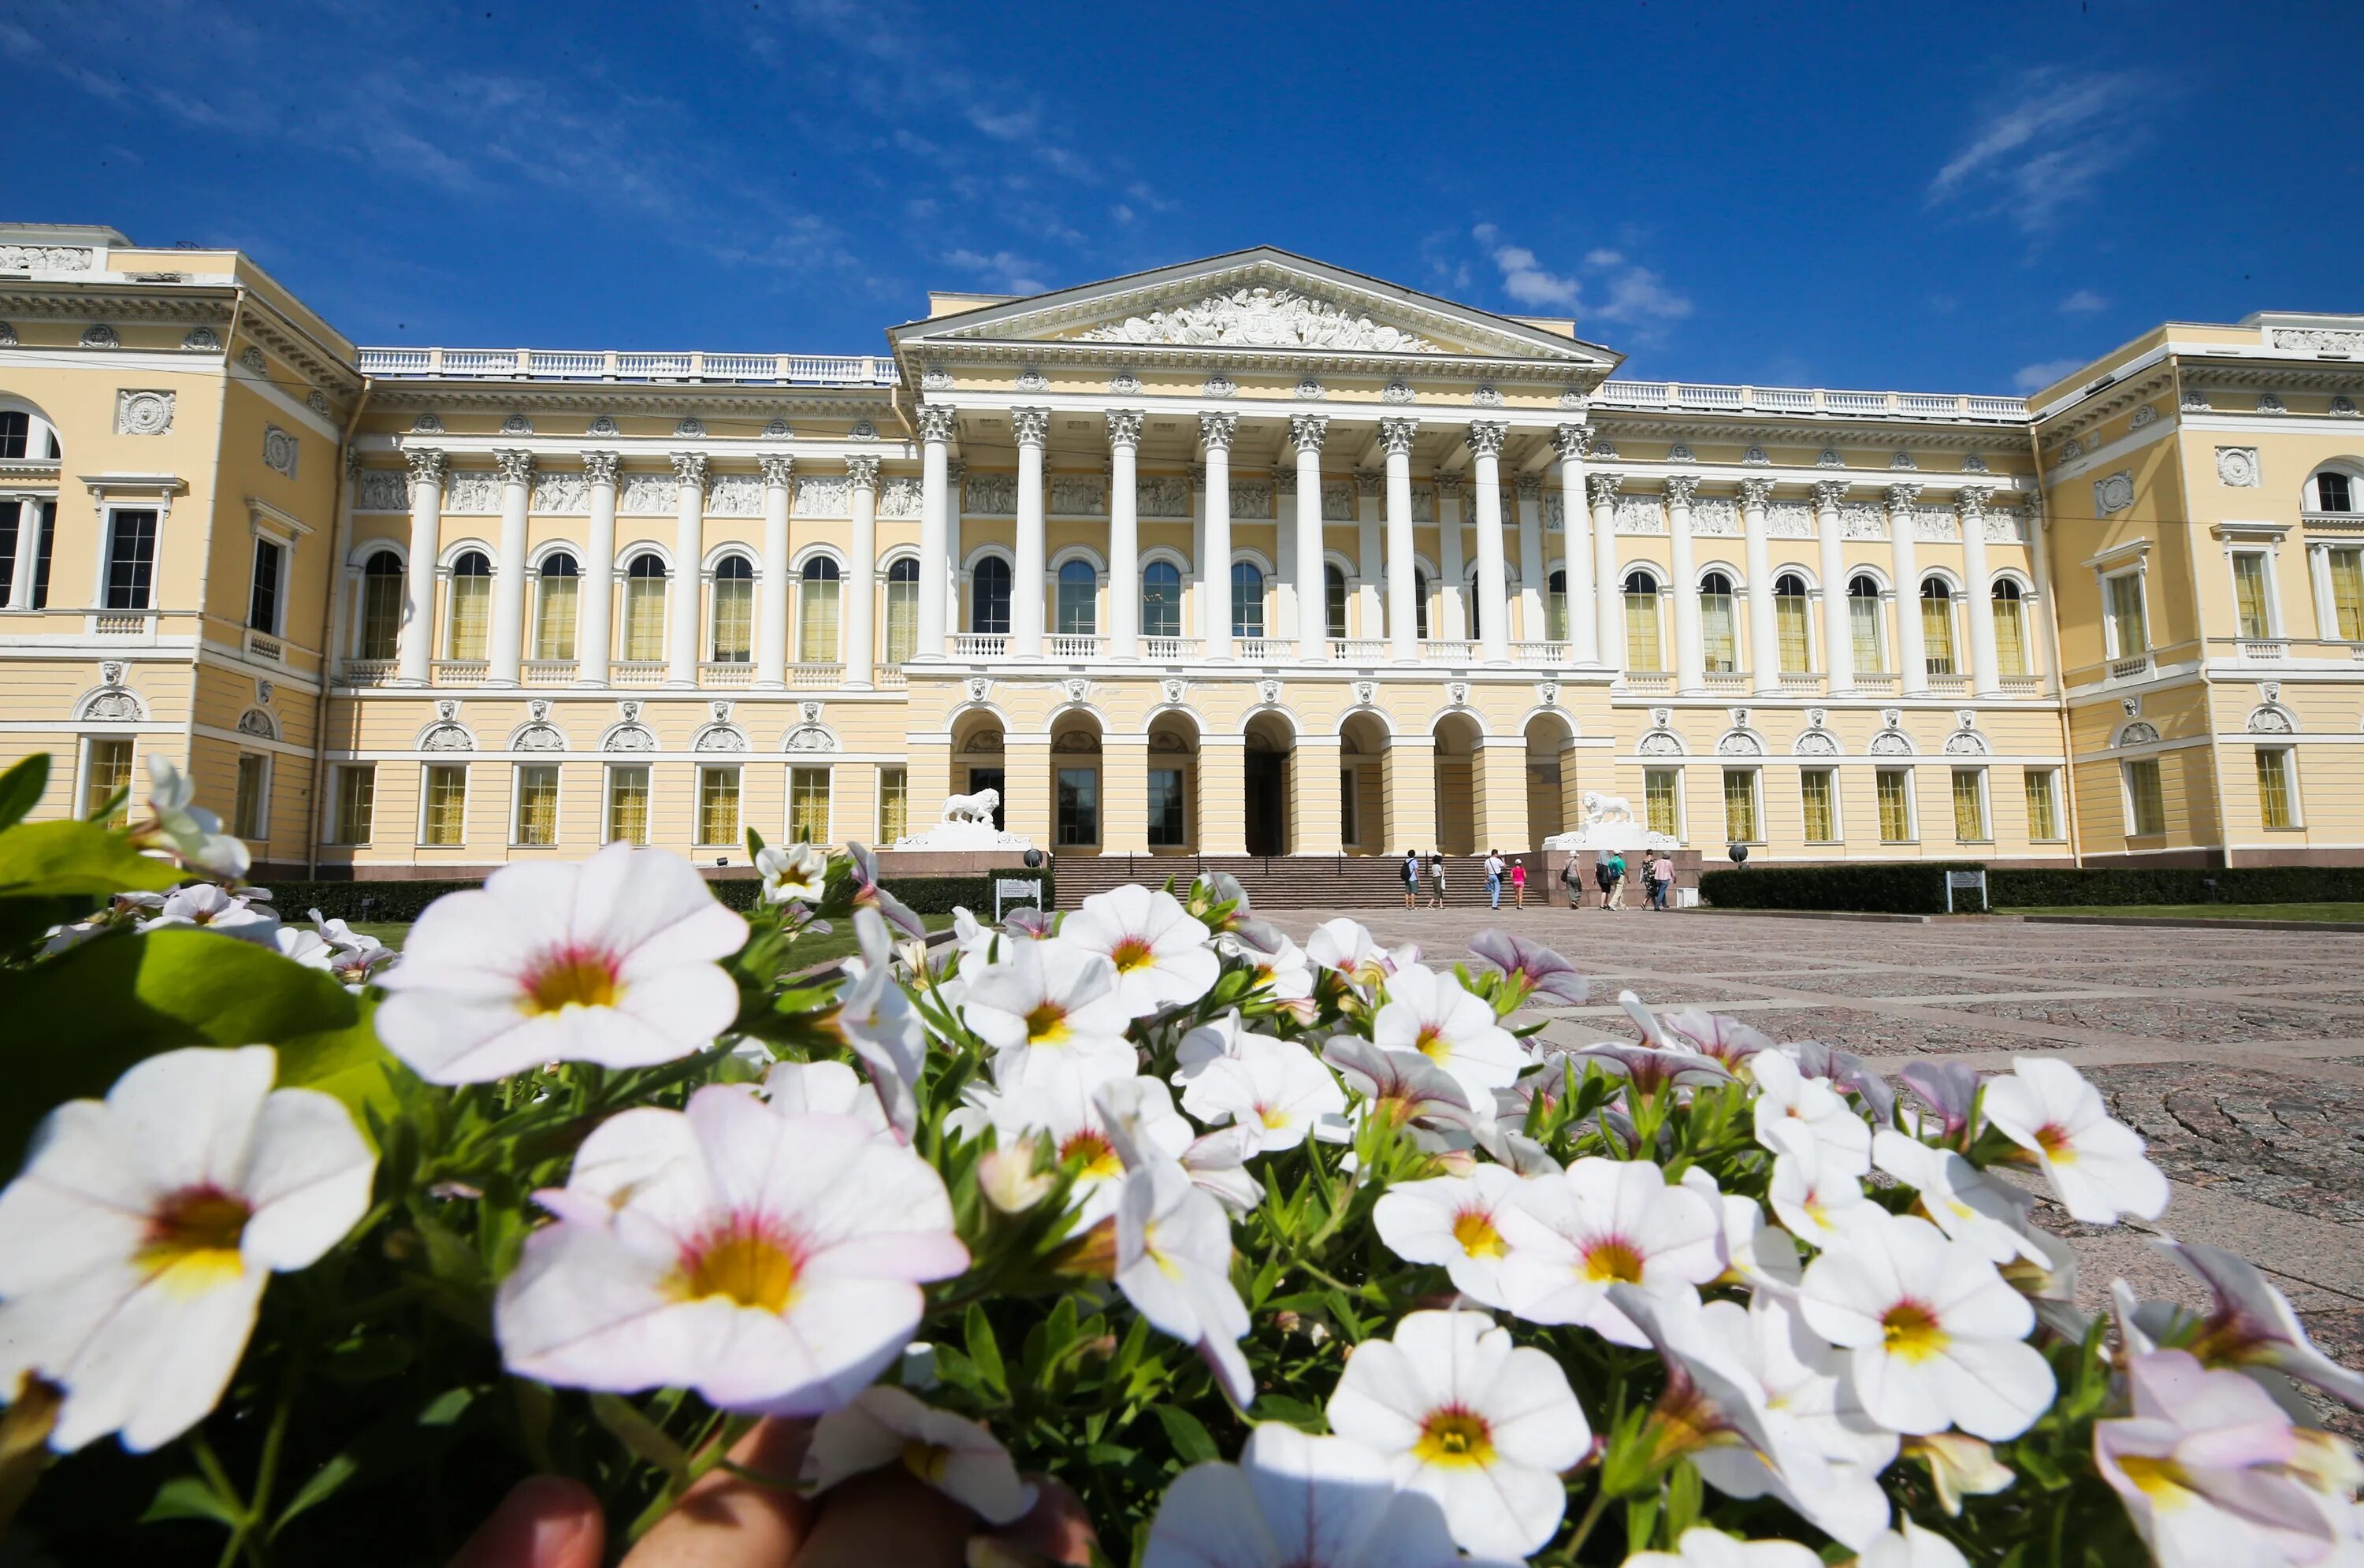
[[349, 1064], [49, 860], [21, 787], [644, 1438], [191, 1497], [1188, 1435], [985, 1351], [324, 1484]]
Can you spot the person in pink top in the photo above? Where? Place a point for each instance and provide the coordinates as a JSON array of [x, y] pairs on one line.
[[1519, 883]]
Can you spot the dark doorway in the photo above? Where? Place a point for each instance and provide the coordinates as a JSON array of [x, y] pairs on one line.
[[983, 779], [1267, 811]]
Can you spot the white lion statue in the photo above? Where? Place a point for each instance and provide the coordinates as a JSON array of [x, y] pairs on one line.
[[978, 807], [1600, 807]]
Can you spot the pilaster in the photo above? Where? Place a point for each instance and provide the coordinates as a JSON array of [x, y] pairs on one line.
[[1222, 794], [1313, 798]]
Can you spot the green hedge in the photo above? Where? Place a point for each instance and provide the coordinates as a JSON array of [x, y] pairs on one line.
[[1917, 888], [2239, 885], [401, 901]]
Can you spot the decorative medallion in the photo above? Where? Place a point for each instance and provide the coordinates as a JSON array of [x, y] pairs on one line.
[[2271, 402], [99, 335], [2194, 401], [279, 450], [1570, 398], [690, 425], [256, 723], [1681, 452], [253, 360], [1903, 460], [1974, 463], [1310, 390], [1661, 717], [2115, 493], [2133, 707], [935, 378], [1268, 691], [1173, 688], [978, 686], [1488, 395], [263, 690], [629, 709], [202, 340], [1547, 693], [1739, 716], [2237, 467], [539, 707], [2145, 415], [1397, 391], [1075, 687], [428, 423], [603, 425], [1220, 385], [517, 425], [1032, 380], [1829, 458], [810, 711], [1456, 692], [1890, 718], [1754, 455], [142, 412], [1124, 384]]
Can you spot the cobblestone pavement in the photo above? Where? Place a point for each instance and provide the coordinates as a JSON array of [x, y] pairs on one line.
[[2239, 1055]]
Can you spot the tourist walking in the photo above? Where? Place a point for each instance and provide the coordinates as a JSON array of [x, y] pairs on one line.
[[1571, 880], [1436, 871], [1600, 875], [1662, 881], [1519, 881], [1494, 878], [1411, 879], [1616, 881]]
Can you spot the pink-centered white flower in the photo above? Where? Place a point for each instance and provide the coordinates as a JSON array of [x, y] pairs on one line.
[[2095, 1164], [1936, 1338], [1174, 1263], [1464, 1416], [614, 959], [1161, 952], [1048, 1007], [1276, 1092], [216, 909], [823, 1088], [1810, 1193], [1727, 1040], [1539, 974], [2251, 1325], [1403, 1087], [771, 1262], [1452, 1221], [1604, 1222], [1957, 1200], [1064, 1109], [135, 1247], [792, 871], [1223, 1035], [178, 824], [1756, 1254], [1784, 1092], [1275, 964], [1704, 1546], [1435, 1015], [886, 1426]]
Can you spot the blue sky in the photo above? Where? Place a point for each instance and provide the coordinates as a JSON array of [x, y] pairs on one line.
[[1893, 195]]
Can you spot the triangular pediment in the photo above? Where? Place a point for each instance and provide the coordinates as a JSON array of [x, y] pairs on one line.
[[1262, 303]]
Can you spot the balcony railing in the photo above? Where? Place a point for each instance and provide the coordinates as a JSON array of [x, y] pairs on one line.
[[1725, 681], [1444, 650], [726, 673], [2130, 669], [1539, 652], [1169, 650], [2023, 686], [812, 677], [980, 644], [1812, 400], [1649, 681], [119, 623], [637, 672], [1802, 682], [459, 671], [1947, 683], [1263, 650], [1877, 683], [369, 671], [889, 676], [1358, 649], [1074, 645], [609, 364], [263, 646], [2263, 648], [548, 671]]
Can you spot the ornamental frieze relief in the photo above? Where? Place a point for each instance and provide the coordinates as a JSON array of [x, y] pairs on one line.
[[1862, 519], [382, 490], [1262, 318], [1712, 515], [1163, 495], [899, 498], [735, 496], [471, 491], [2316, 340], [1640, 515], [560, 493], [647, 494], [991, 495], [1077, 496], [1789, 520], [1936, 525], [1337, 503], [826, 495]]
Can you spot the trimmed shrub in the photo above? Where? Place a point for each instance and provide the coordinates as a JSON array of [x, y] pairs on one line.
[[403, 901], [1914, 888], [2237, 884]]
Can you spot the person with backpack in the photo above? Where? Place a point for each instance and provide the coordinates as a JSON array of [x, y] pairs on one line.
[[1494, 878], [1600, 875], [1571, 881], [1616, 881], [1411, 879]]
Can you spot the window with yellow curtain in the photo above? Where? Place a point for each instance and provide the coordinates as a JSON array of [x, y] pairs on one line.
[[445, 820], [2249, 600], [1895, 786], [734, 610], [644, 610], [2275, 796], [381, 617], [894, 805], [2346, 568], [628, 805], [717, 805], [1644, 650], [537, 805], [554, 608], [1864, 627], [817, 613], [1718, 645], [470, 612], [1740, 805], [2129, 627], [109, 770], [2043, 814], [2011, 630], [808, 806], [1660, 805], [1791, 626], [1970, 806], [2145, 801], [251, 808], [1817, 793], [1937, 627], [903, 610], [356, 803]]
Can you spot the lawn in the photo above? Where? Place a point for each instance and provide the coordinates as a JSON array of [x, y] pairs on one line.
[[2205, 911], [809, 950]]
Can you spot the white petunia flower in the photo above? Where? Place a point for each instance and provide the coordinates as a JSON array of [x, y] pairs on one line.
[[823, 1088], [1913, 1547], [614, 959], [1757, 1254], [304, 946], [1704, 1546], [1274, 1092], [1810, 1193], [2095, 1164], [1402, 1085], [1297, 1501], [1063, 1108], [798, 872], [1604, 1222], [135, 1246], [1274, 961], [1962, 1203], [1345, 947], [1937, 1338], [1221, 1036], [1467, 1418], [216, 909], [1453, 1220], [886, 1426], [1433, 1013], [2250, 1324], [1959, 1466], [882, 1025], [1050, 1009], [187, 829], [1161, 952], [1174, 1263], [771, 1262], [1785, 1093]]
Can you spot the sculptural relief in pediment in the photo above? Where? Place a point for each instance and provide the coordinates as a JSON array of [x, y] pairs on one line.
[[1260, 319]]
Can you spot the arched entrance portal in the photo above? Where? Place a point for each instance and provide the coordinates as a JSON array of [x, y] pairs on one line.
[[1270, 746], [978, 761], [1076, 807], [1551, 777], [1173, 784], [1363, 828], [1457, 744]]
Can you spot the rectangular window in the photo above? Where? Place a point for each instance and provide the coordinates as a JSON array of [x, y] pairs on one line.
[[902, 619], [1166, 827], [356, 800], [2275, 796], [1863, 628], [1789, 624], [644, 620], [1347, 833], [1895, 785], [717, 805], [1718, 645], [816, 621], [808, 806], [2333, 493], [1817, 792], [2346, 568], [734, 619], [445, 822], [263, 603], [471, 614], [1740, 805], [537, 805], [1554, 614], [1660, 808], [250, 811], [628, 805], [1333, 601], [43, 550], [894, 805], [2043, 802], [2011, 637], [2129, 632], [1079, 806], [1970, 806], [10, 514], [1937, 633], [1643, 650], [554, 626], [2145, 803], [108, 772], [130, 558], [2250, 592]]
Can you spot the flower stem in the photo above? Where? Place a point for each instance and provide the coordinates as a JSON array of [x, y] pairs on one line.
[[1584, 1526]]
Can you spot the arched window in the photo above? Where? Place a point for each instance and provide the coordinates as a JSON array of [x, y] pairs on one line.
[[26, 437], [1864, 627], [1644, 650], [380, 605], [2010, 629], [1079, 589], [1717, 641], [1789, 624], [1247, 599], [1160, 599], [734, 610], [645, 604], [555, 608], [1937, 625], [2332, 490], [1420, 604], [470, 612], [1333, 600], [1555, 607], [988, 597], [903, 610], [817, 598]]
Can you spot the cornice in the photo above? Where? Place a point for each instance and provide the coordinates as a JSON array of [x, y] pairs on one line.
[[1899, 430], [1021, 353], [196, 307], [2154, 381], [611, 397]]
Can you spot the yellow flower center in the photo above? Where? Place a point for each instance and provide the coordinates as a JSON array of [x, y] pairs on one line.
[[1431, 1043], [1474, 1228], [1912, 1331], [1046, 1024], [570, 978], [2058, 1147], [1272, 1116], [1613, 1261], [2156, 1479], [1131, 953], [1453, 1437], [193, 1239], [1092, 1147], [927, 1461], [744, 1262]]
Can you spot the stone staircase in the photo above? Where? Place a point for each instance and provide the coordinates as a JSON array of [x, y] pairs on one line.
[[1292, 882]]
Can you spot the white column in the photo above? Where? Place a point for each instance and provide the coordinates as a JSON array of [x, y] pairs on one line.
[[1215, 433], [1609, 593], [502, 660], [1032, 426], [1452, 603], [955, 474], [688, 568], [1534, 590], [1584, 623], [1763, 634], [1493, 587], [1691, 652], [1838, 629], [1370, 615], [1124, 533], [1986, 669], [1402, 585], [594, 642], [1313, 580], [343, 578], [771, 595], [862, 574], [1282, 625], [29, 552], [1904, 558], [938, 567], [418, 643]]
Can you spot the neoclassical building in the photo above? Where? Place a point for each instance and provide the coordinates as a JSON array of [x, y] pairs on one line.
[[1250, 556]]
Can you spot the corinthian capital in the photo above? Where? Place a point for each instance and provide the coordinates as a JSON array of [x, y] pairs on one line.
[[1530, 486], [1397, 435], [1032, 426], [779, 469], [515, 467], [425, 469], [1601, 489], [1971, 499], [1216, 431], [864, 471], [599, 468], [1448, 487], [1307, 430], [1755, 493], [1573, 443], [1485, 437], [689, 467], [1124, 428], [1370, 481], [1901, 496], [1829, 492], [937, 422], [1680, 489]]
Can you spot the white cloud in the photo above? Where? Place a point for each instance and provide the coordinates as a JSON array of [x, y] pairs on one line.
[[2044, 372], [2083, 301], [1013, 273], [1525, 281], [1602, 258], [1638, 296], [2040, 152]]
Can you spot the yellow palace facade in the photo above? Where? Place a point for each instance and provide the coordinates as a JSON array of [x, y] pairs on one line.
[[1251, 556]]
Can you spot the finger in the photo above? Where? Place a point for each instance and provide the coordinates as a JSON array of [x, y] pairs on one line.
[[1055, 1531], [546, 1521], [887, 1516], [727, 1521]]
